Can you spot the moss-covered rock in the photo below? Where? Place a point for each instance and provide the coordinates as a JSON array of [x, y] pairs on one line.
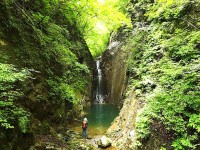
[[163, 69], [55, 54]]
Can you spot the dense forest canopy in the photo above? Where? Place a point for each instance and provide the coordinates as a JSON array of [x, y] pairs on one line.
[[97, 19]]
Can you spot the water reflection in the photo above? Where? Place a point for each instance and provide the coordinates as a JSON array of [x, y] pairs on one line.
[[100, 116]]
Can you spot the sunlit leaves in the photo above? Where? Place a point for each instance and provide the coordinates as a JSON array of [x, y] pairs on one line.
[[9, 112], [6, 74], [167, 52], [166, 9], [185, 141], [186, 49], [97, 19], [194, 122]]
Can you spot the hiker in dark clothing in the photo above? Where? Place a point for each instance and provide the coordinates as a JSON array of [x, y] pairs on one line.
[[85, 128]]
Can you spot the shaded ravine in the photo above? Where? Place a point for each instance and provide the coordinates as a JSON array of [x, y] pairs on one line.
[[100, 114], [100, 117]]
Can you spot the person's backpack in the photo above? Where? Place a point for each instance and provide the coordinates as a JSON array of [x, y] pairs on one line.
[[84, 125]]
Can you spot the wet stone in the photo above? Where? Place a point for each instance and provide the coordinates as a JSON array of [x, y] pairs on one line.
[[104, 142]]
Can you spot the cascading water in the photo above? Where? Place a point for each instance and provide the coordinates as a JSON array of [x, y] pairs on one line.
[[99, 92], [99, 115]]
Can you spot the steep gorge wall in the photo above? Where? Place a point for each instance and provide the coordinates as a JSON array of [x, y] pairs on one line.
[[52, 49], [122, 130], [164, 78], [114, 64]]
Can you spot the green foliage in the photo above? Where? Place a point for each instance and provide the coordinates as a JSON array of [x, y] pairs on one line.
[[162, 148], [164, 67], [97, 19], [71, 85], [46, 37], [167, 9], [186, 49], [12, 115], [185, 142], [51, 44], [143, 127], [194, 122]]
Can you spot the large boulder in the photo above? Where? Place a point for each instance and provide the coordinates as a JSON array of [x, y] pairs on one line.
[[104, 142]]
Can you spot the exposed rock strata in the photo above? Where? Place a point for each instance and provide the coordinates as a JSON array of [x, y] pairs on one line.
[[114, 64], [122, 130]]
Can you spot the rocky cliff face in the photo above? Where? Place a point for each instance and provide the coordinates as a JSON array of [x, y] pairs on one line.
[[114, 64], [60, 66], [122, 130], [159, 43]]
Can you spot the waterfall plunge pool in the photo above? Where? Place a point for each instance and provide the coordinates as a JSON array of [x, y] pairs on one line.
[[100, 117], [100, 114]]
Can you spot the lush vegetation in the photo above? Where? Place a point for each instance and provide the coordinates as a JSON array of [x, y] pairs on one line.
[[46, 59], [97, 19], [43, 37], [14, 118], [45, 62], [165, 71], [11, 113], [45, 67]]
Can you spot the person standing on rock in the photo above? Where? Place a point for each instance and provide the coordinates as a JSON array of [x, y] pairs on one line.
[[85, 128]]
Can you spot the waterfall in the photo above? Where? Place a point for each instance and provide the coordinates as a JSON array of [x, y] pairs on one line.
[[99, 86]]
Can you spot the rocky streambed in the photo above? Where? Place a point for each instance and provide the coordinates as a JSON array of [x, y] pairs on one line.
[[96, 140], [71, 140]]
